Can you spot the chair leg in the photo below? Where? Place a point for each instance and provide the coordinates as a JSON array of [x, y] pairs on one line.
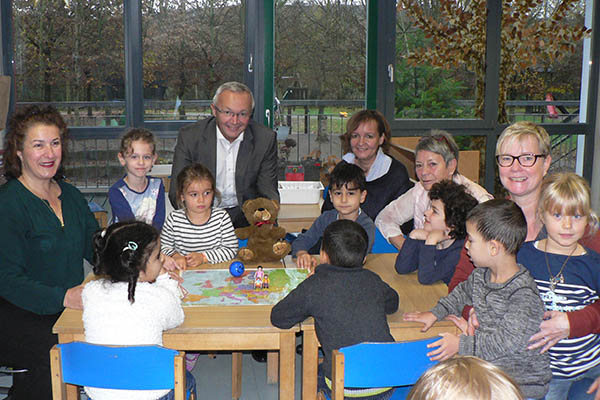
[[179, 365], [337, 376], [59, 388], [236, 375], [321, 396]]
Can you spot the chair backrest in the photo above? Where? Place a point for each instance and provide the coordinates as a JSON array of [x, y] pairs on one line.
[[371, 365], [117, 367], [381, 245]]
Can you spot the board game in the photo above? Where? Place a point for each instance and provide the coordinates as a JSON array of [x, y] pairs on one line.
[[218, 287]]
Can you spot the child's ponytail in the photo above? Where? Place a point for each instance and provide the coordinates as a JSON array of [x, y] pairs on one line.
[[122, 251]]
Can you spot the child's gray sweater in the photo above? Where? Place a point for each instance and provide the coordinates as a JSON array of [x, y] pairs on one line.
[[509, 314]]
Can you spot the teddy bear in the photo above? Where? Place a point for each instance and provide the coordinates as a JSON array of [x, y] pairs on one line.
[[265, 240]]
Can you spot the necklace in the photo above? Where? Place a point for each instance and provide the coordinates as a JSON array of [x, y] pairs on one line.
[[558, 278], [43, 200]]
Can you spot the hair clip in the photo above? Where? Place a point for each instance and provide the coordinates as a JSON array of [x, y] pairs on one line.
[[103, 233], [131, 246]]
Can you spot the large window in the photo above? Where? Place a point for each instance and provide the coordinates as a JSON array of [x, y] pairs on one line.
[[320, 58], [440, 59], [469, 67], [190, 48], [71, 54], [540, 78]]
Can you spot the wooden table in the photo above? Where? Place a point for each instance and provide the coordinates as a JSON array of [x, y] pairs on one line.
[[214, 328], [295, 217], [413, 297]]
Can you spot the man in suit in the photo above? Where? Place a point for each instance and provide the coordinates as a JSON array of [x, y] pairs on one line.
[[240, 153]]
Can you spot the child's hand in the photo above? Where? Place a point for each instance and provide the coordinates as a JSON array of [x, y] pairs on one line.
[[418, 234], [196, 259], [426, 318], [436, 236], [306, 261], [594, 387], [447, 346], [397, 241], [175, 276], [179, 279], [473, 323], [460, 323], [180, 261], [171, 264]]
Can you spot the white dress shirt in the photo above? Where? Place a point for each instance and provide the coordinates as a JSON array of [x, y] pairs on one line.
[[227, 153]]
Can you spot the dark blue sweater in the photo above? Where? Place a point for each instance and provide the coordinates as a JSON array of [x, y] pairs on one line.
[[381, 191], [432, 264]]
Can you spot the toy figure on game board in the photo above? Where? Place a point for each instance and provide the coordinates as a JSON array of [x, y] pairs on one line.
[[265, 283], [258, 282], [259, 273]]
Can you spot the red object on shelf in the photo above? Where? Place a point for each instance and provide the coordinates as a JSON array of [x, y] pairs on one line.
[[294, 173]]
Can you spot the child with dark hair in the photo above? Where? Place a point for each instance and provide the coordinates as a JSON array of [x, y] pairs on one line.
[[134, 300], [136, 195], [348, 190], [504, 296], [434, 250], [198, 233], [349, 303]]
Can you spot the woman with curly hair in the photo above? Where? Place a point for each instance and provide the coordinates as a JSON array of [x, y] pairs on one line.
[[46, 231], [436, 159], [435, 249]]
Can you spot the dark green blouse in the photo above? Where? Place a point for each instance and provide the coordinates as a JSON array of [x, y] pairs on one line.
[[39, 258]]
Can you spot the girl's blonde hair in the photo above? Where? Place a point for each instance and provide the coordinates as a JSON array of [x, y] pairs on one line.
[[567, 193], [465, 378], [191, 173]]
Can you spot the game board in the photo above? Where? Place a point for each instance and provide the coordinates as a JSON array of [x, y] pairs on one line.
[[219, 287]]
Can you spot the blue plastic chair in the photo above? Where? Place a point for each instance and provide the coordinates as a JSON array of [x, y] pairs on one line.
[[380, 245], [372, 365], [116, 367]]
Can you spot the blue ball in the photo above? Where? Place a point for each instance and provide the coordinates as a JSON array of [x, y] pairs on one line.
[[236, 268]]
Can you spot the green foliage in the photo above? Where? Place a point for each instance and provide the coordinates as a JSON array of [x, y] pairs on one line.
[[426, 92], [533, 34]]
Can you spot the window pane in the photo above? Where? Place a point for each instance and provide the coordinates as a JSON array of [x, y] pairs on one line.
[[190, 48], [541, 77], [71, 54], [440, 54], [320, 53], [92, 164]]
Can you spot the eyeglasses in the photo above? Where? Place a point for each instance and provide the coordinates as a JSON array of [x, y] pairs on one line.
[[229, 114], [526, 160]]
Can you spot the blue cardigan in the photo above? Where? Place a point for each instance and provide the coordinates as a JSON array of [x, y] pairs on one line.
[[432, 264], [308, 239]]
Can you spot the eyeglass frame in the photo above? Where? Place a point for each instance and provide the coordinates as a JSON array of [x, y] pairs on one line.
[[230, 114], [518, 158]]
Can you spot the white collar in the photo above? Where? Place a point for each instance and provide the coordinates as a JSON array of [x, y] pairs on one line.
[[222, 138], [380, 166]]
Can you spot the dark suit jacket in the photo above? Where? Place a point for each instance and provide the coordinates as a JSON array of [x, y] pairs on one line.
[[256, 166]]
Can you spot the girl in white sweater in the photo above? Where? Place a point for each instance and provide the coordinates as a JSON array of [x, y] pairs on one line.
[[134, 300]]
